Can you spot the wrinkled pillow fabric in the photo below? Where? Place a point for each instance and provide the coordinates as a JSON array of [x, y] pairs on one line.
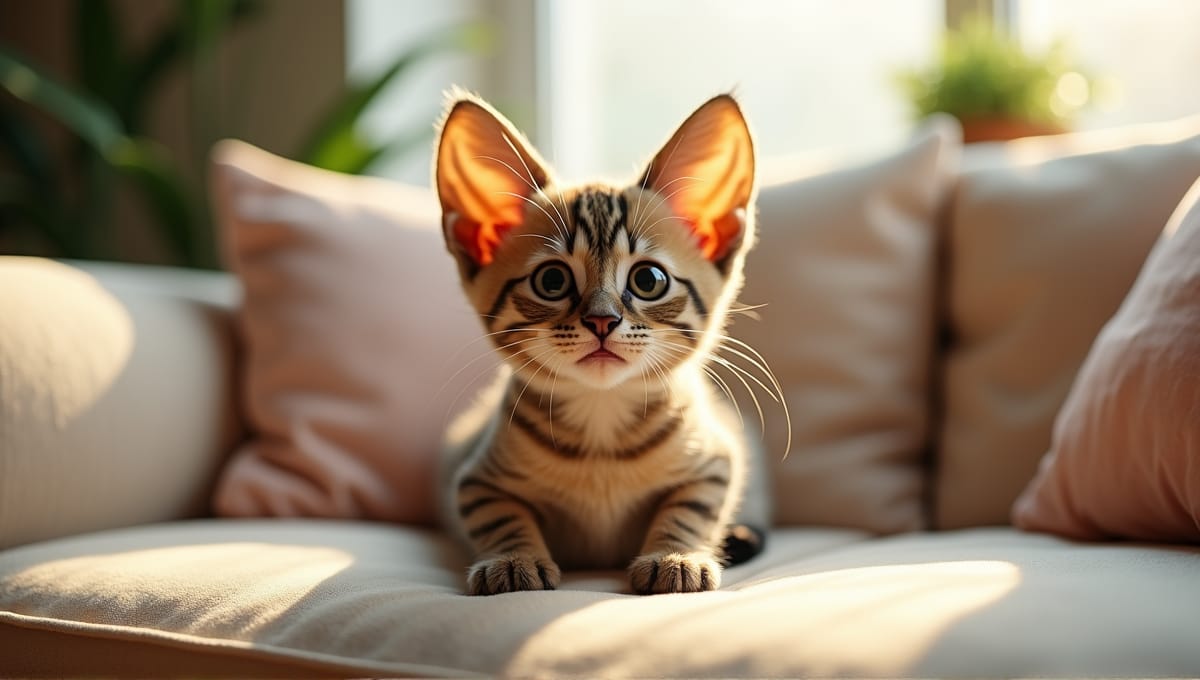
[[1125, 460], [358, 342], [1045, 237], [845, 270]]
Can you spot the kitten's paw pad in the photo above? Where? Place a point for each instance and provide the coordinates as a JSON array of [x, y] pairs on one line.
[[511, 572], [674, 573]]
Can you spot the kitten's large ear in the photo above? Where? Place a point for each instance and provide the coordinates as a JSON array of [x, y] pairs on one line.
[[706, 174], [485, 172]]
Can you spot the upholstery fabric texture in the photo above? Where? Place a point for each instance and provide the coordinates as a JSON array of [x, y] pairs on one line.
[[845, 268], [91, 436], [374, 599], [1125, 460], [358, 341], [1045, 238]]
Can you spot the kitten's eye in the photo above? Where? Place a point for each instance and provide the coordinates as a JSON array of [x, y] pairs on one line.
[[648, 281], [552, 281]]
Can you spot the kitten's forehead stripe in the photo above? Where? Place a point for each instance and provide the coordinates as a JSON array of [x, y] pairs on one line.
[[600, 214], [582, 214], [616, 221]]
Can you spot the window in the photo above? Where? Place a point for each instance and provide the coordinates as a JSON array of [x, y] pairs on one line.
[[619, 75], [599, 84], [1146, 53]]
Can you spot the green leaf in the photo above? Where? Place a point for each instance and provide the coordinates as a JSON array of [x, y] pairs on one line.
[[354, 154], [27, 149], [330, 139], [98, 53], [91, 120], [145, 73], [164, 193], [205, 21], [168, 48], [343, 152], [981, 71]]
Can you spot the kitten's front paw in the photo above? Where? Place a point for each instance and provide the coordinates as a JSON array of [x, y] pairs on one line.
[[664, 572], [512, 572]]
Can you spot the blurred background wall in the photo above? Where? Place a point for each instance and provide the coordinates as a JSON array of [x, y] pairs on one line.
[[108, 107]]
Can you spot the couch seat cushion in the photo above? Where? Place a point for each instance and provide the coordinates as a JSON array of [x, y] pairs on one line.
[[339, 597]]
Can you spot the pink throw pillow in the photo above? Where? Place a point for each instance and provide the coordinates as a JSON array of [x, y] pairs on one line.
[[354, 333], [1125, 457]]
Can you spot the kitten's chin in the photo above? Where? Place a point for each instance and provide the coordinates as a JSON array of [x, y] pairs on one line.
[[602, 369]]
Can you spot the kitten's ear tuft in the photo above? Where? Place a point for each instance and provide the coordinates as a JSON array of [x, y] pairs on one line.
[[706, 173], [485, 171]]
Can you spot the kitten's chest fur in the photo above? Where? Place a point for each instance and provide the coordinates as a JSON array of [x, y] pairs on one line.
[[606, 462]]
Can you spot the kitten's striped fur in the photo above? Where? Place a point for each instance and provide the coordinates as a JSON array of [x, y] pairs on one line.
[[605, 443]]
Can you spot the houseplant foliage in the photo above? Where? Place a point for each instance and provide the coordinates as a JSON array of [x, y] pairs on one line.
[[995, 86], [61, 203]]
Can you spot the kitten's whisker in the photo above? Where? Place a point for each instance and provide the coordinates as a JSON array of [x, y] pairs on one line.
[[561, 217], [759, 362], [737, 408], [670, 155], [539, 207], [500, 361], [528, 182], [663, 219], [562, 201], [683, 351], [553, 242], [729, 364], [737, 373], [480, 358], [550, 413], [517, 401], [660, 368], [778, 389], [485, 336], [746, 309], [663, 198], [645, 388], [642, 228]]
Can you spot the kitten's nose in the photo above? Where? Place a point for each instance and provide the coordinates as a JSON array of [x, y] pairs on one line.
[[601, 326]]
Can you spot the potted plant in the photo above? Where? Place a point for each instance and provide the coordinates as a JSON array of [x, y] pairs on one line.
[[60, 204], [995, 87]]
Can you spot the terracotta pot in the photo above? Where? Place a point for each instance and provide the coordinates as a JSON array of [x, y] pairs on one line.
[[989, 129]]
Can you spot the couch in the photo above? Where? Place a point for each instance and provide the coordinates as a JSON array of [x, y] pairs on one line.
[[139, 538]]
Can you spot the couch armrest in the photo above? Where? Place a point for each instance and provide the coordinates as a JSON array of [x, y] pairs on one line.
[[116, 395]]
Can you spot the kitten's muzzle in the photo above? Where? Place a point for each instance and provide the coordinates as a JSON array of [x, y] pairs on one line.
[[601, 326]]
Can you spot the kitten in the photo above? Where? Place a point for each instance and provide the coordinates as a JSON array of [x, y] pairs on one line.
[[605, 444]]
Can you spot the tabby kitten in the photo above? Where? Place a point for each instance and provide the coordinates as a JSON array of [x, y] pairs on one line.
[[605, 444]]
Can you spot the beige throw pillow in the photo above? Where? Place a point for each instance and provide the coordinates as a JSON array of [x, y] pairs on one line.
[[1125, 461], [845, 265], [116, 395], [1045, 238], [358, 342]]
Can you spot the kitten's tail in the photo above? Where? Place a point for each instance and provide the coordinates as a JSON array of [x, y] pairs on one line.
[[742, 543]]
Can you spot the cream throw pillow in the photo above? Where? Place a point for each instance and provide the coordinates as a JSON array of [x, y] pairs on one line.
[[117, 385], [1042, 247], [1125, 462], [358, 342], [845, 266]]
